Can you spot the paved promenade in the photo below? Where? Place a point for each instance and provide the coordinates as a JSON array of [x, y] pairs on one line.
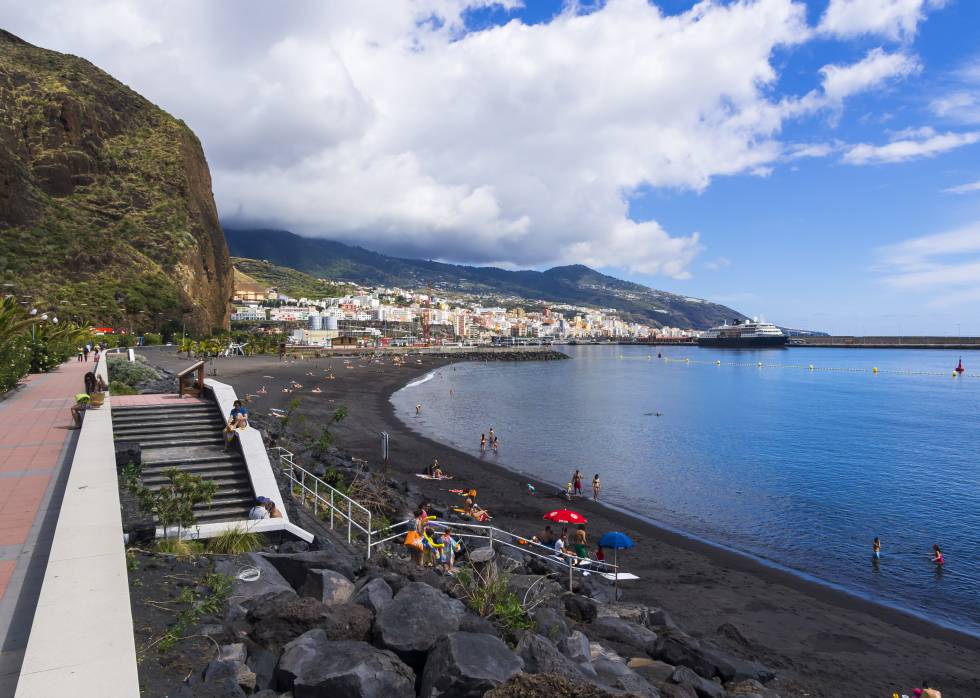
[[36, 443]]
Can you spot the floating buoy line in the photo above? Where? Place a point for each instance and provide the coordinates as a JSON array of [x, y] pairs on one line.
[[958, 372]]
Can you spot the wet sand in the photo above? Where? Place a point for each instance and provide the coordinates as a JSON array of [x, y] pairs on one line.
[[820, 641]]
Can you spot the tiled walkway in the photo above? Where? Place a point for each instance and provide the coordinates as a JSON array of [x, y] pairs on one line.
[[36, 443]]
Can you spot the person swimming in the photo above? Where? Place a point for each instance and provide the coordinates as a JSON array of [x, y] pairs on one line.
[[876, 548], [937, 555]]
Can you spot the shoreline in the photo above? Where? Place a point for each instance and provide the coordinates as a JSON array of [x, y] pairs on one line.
[[819, 640], [745, 561], [752, 563]]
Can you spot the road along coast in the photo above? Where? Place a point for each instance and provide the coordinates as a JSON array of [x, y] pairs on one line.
[[819, 641]]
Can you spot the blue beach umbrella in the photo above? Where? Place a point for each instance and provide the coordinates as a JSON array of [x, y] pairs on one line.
[[617, 541]]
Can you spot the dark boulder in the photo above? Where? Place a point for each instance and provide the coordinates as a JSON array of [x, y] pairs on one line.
[[278, 619], [295, 566], [705, 688], [534, 589], [262, 663], [329, 587], [472, 623], [293, 546], [580, 608], [550, 623], [542, 657], [467, 665], [414, 620], [548, 686], [576, 647], [622, 634], [750, 688], [730, 668], [312, 666], [374, 595], [269, 582], [653, 670], [615, 674], [680, 649]]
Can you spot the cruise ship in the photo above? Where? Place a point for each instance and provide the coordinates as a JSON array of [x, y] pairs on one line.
[[748, 334]]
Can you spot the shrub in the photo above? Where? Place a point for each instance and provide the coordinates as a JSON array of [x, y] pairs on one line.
[[179, 546], [132, 373], [120, 388], [151, 338], [236, 540], [173, 504]]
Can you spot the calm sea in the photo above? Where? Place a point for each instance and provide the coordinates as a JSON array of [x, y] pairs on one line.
[[801, 468]]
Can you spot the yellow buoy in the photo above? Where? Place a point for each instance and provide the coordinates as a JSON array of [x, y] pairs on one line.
[[874, 370], [687, 361]]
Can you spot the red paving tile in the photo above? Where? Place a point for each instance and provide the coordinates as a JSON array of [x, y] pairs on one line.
[[32, 438], [6, 571]]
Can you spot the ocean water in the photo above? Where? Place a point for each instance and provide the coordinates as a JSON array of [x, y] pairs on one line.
[[800, 468]]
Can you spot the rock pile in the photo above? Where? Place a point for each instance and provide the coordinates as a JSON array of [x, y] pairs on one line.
[[320, 623]]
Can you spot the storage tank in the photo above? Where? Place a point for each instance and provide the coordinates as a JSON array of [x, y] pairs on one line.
[[315, 322], [330, 323]]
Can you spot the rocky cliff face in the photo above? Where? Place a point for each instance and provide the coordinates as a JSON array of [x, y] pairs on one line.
[[106, 210]]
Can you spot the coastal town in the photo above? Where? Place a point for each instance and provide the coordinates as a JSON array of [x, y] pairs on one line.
[[395, 316]]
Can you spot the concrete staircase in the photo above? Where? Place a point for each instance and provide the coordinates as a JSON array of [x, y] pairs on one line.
[[189, 437]]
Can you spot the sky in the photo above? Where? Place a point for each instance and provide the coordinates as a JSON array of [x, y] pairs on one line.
[[813, 163]]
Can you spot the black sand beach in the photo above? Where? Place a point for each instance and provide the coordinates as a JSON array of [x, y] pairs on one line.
[[821, 642]]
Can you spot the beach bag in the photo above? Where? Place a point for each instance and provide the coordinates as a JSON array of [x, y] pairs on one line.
[[413, 540]]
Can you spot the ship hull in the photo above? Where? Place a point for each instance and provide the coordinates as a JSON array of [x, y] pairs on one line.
[[742, 342]]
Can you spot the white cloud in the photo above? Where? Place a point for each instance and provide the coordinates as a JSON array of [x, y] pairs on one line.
[[893, 19], [961, 104], [945, 266], [964, 188], [386, 124], [841, 81], [924, 143], [719, 263]]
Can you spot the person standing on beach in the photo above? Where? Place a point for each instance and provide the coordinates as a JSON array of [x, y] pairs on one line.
[[496, 442], [577, 482], [596, 487], [483, 443]]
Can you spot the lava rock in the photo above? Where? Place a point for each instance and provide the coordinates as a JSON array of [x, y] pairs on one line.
[[262, 663], [542, 657], [414, 620], [620, 632], [750, 688], [534, 588], [374, 595], [653, 670], [730, 668], [615, 674], [295, 566], [680, 649], [294, 546], [472, 623], [467, 665], [269, 583], [702, 686], [550, 623], [327, 586], [314, 667], [279, 619], [580, 608]]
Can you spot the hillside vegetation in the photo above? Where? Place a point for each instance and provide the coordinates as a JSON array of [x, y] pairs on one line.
[[105, 200], [259, 275]]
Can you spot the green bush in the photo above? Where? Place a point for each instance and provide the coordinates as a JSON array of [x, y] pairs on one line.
[[132, 373], [151, 338], [120, 388], [126, 340]]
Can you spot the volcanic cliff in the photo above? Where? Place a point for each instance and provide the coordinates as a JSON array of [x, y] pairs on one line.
[[106, 210]]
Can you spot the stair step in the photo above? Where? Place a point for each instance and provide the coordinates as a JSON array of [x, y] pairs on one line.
[[194, 441], [163, 412], [230, 459], [224, 481], [151, 433], [169, 421]]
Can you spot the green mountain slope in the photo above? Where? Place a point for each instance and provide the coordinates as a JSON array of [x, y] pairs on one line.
[[575, 285], [285, 280], [106, 209]]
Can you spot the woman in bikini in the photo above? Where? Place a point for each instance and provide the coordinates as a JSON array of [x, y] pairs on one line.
[[596, 486]]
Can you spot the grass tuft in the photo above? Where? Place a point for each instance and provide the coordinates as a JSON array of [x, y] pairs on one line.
[[236, 540], [178, 546]]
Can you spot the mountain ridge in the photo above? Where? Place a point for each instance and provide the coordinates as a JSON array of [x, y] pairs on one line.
[[574, 284]]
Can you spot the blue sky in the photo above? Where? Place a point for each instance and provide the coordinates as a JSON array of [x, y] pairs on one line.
[[814, 162]]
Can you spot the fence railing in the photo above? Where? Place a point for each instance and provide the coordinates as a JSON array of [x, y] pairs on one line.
[[328, 504], [499, 537], [326, 501]]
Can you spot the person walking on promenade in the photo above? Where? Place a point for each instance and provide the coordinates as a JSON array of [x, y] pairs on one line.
[[85, 350], [483, 443], [596, 487], [577, 482]]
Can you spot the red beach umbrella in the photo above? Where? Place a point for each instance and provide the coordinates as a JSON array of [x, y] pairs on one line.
[[565, 516]]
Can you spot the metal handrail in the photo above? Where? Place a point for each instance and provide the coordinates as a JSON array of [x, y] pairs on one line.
[[501, 537], [313, 485]]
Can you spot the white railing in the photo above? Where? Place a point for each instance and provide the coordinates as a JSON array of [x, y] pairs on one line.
[[500, 537], [326, 498]]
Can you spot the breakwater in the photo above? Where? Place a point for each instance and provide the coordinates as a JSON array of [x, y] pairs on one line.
[[887, 342], [539, 353]]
